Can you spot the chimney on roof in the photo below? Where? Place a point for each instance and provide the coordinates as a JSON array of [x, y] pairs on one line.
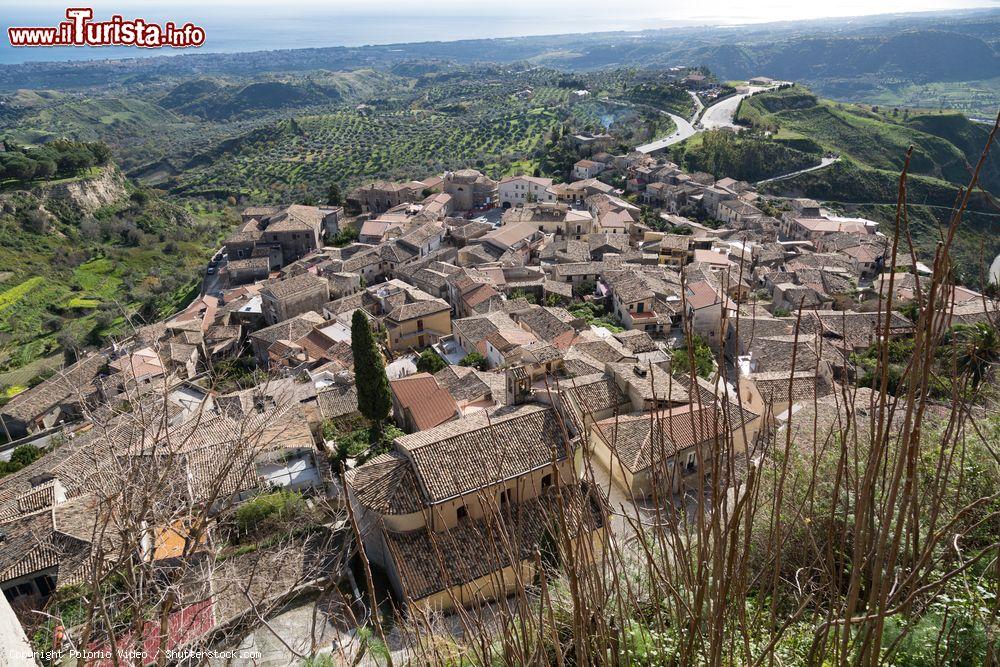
[[518, 383]]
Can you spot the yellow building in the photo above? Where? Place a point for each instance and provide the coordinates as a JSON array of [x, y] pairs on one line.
[[455, 513], [417, 325], [412, 318], [671, 449]]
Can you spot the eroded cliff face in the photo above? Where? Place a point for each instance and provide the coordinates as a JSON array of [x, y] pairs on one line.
[[86, 195]]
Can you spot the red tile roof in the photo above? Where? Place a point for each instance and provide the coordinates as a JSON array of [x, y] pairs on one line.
[[428, 403]]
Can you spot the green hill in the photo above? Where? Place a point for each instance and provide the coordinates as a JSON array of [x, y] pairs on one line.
[[73, 273], [216, 99], [667, 97], [943, 144]]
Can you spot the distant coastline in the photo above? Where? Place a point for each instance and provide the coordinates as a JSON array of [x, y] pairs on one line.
[[246, 35], [328, 29]]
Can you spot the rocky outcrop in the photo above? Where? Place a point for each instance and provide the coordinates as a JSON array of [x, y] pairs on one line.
[[85, 195]]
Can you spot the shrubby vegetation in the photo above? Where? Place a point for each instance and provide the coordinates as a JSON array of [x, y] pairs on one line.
[[704, 359], [748, 156], [430, 362], [56, 159], [596, 315], [21, 456], [475, 360], [75, 278], [255, 514], [666, 96]]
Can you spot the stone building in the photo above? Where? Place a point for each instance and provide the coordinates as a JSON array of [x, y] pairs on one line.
[[470, 189], [293, 296]]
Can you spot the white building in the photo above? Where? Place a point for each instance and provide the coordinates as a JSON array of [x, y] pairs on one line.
[[514, 190]]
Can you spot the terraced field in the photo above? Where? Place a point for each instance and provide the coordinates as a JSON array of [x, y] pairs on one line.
[[307, 152]]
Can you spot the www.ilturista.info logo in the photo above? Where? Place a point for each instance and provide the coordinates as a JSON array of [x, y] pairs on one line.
[[79, 30]]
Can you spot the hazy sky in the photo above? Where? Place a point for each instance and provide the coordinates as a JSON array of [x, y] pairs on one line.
[[672, 11], [256, 25]]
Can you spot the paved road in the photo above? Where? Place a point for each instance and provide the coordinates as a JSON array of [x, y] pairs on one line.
[[721, 114], [995, 270], [683, 131], [698, 106], [716, 116], [825, 162]]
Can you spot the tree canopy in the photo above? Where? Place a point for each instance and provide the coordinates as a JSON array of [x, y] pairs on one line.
[[374, 400]]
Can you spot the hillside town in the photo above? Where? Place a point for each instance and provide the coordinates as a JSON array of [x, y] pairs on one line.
[[570, 345]]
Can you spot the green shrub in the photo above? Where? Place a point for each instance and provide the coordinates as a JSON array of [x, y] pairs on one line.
[[430, 362], [704, 360], [271, 506], [19, 458], [475, 360]]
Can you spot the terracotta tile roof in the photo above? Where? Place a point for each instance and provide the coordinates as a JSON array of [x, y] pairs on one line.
[[473, 452], [479, 548], [636, 341], [303, 282], [649, 382], [387, 485], [66, 386], [290, 329], [375, 228], [642, 439], [463, 383], [703, 295], [805, 385], [479, 294], [546, 326], [393, 252], [588, 394], [295, 218], [540, 352], [338, 400], [630, 288], [427, 403], [601, 350]]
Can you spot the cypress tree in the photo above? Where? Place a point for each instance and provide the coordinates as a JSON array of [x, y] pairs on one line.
[[374, 400]]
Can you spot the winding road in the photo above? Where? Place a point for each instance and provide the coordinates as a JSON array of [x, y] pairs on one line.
[[713, 117], [825, 162], [684, 128], [721, 113], [683, 131]]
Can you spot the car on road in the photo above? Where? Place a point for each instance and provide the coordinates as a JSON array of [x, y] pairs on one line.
[[211, 270]]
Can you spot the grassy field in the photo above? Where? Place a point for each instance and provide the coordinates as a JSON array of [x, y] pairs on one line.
[[873, 141], [977, 99]]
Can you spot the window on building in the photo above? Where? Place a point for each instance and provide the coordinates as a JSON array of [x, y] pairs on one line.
[[19, 590], [505, 497], [691, 462], [46, 584], [547, 481], [462, 513]]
